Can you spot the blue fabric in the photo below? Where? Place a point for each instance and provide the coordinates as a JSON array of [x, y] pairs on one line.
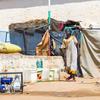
[[2, 88], [75, 32], [31, 41], [58, 38]]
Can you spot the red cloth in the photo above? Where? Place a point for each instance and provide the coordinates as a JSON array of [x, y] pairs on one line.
[[60, 26]]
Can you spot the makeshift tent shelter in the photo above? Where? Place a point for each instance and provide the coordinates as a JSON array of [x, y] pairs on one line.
[[27, 35], [89, 51]]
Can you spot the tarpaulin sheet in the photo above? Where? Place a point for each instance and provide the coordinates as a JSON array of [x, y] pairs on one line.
[[90, 52], [27, 42]]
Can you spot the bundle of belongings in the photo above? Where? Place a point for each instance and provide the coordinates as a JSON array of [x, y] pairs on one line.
[[30, 26]]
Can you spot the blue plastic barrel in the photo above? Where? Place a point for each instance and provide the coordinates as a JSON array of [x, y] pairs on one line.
[[6, 80]]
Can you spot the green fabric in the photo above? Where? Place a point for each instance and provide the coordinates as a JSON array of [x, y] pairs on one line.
[[49, 17]]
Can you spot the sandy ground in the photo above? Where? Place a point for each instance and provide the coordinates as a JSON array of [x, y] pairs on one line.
[[86, 11], [15, 97], [21, 97], [82, 89]]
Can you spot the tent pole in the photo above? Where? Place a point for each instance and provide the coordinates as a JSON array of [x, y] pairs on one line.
[[49, 13], [49, 20]]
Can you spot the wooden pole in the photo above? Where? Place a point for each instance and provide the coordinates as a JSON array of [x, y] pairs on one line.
[[49, 13]]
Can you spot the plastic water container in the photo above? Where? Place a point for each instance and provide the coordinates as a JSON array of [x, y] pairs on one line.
[[17, 85], [2, 88], [33, 76], [6, 80]]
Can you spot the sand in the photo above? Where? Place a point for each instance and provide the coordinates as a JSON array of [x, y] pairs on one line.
[[87, 12], [16, 97], [82, 89]]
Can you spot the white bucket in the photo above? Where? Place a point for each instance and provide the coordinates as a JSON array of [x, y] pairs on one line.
[[45, 74], [33, 76]]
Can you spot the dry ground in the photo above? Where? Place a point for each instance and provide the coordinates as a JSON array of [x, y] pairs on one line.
[[82, 89]]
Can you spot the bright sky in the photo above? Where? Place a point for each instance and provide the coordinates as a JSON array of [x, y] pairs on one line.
[[3, 36]]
